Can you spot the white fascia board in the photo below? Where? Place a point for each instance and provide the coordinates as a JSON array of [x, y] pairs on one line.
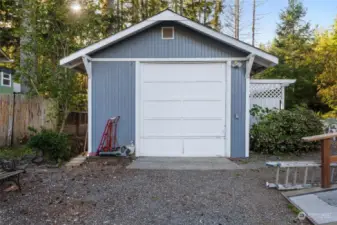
[[107, 41], [231, 41], [168, 59], [273, 81]]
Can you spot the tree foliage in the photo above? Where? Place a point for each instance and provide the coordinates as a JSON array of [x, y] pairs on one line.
[[293, 45], [325, 58]]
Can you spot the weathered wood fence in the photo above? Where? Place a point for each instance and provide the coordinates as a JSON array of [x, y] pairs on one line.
[[18, 112]]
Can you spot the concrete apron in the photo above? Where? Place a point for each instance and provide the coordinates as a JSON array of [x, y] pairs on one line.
[[184, 163]]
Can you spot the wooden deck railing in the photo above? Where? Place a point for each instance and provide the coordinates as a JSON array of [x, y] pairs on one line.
[[326, 157]]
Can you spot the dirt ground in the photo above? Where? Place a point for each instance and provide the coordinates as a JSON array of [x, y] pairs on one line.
[[104, 192]]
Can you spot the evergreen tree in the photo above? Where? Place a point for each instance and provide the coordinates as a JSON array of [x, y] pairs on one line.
[[293, 46], [294, 35]]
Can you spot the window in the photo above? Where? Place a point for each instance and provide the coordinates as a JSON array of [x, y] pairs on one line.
[[6, 79], [167, 32]]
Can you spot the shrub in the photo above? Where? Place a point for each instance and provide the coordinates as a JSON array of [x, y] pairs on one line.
[[54, 146], [281, 131]]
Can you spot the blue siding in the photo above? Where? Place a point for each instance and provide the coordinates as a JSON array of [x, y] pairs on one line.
[[238, 111], [113, 86], [113, 94], [186, 44]]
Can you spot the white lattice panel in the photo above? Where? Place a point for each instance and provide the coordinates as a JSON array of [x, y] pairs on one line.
[[266, 91], [266, 95]]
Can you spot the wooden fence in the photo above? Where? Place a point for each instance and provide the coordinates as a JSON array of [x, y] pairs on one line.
[[18, 112]]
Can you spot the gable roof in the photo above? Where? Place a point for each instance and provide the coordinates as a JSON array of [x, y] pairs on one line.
[[262, 58], [4, 57]]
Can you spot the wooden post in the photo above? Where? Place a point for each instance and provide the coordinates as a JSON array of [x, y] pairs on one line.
[[325, 158]]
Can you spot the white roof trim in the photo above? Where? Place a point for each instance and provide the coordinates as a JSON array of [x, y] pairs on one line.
[[168, 15], [273, 81]]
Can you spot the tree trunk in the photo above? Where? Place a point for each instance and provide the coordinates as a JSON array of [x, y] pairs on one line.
[[64, 119], [237, 19], [254, 21]]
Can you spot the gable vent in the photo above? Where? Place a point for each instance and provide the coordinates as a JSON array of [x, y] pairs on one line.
[[167, 32]]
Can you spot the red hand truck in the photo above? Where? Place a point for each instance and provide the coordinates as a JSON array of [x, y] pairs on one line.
[[109, 137]]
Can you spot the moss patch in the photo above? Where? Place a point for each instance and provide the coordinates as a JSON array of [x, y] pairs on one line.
[[15, 153]]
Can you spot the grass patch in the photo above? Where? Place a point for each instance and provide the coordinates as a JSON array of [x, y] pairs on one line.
[[294, 209], [15, 152]]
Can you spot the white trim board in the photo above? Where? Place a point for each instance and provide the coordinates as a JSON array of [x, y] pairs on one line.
[[159, 60], [88, 67], [283, 82], [228, 143], [168, 15]]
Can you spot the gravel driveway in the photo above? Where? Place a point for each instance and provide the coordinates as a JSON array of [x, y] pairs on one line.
[[100, 193]]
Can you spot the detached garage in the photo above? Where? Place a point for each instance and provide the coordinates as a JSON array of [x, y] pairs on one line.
[[180, 88]]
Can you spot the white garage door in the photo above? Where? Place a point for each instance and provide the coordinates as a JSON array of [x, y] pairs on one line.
[[182, 109]]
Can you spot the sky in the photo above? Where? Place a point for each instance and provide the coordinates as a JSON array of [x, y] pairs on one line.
[[319, 12]]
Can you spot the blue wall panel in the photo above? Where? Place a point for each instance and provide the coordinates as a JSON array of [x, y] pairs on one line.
[[238, 111], [113, 90]]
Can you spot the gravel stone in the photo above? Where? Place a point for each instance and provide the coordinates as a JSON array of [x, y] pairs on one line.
[[102, 193]]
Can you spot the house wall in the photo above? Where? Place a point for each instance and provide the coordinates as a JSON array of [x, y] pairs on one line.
[[238, 111], [3, 89], [113, 94], [113, 83]]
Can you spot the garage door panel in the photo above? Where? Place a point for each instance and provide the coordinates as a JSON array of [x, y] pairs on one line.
[[162, 109], [158, 72], [196, 72], [200, 128], [162, 91], [203, 90], [203, 147], [182, 109], [164, 128], [203, 109], [162, 147]]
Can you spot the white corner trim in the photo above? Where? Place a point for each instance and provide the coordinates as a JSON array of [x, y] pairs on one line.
[[228, 100], [88, 66], [137, 109], [249, 65], [168, 15], [162, 33]]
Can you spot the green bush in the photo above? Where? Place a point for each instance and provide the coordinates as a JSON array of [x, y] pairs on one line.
[[55, 146], [280, 131]]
